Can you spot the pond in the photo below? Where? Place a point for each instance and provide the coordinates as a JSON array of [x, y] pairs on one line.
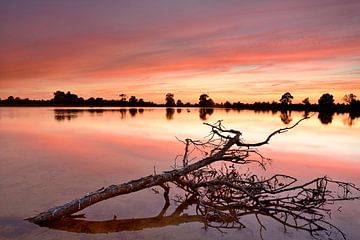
[[49, 156]]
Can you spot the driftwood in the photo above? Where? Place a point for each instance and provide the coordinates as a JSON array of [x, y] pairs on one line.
[[221, 195]]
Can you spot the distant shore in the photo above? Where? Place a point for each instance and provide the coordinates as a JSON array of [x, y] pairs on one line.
[[326, 103], [268, 107]]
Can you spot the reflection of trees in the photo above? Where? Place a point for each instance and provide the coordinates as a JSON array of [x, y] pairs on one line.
[[65, 114], [306, 114], [122, 113], [178, 110], [347, 120], [204, 113], [170, 113], [350, 119], [325, 117], [285, 117], [133, 112]]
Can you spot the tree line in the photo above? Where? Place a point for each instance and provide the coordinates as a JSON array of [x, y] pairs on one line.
[[326, 102]]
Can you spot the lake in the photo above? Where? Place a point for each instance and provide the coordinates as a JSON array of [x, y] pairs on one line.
[[49, 156]]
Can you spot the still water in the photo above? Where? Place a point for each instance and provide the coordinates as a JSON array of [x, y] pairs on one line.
[[49, 156]]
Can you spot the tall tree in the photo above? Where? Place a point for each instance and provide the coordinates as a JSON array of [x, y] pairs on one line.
[[133, 101], [179, 103], [349, 98], [326, 100], [123, 97], [306, 101], [169, 100], [205, 101], [286, 98]]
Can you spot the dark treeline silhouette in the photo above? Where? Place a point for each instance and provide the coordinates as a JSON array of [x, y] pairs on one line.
[[326, 103], [70, 99]]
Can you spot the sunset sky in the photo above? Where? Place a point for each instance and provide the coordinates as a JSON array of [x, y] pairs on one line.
[[233, 50]]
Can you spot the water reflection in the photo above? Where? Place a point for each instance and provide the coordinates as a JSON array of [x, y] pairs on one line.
[[122, 113], [285, 117], [133, 112], [170, 113], [133, 224], [223, 206], [325, 118], [205, 113], [63, 115], [38, 151]]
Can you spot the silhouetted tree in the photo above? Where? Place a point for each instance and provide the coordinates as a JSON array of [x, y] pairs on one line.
[[170, 102], [179, 103], [326, 100], [68, 98], [306, 101], [59, 97], [91, 101], [205, 101], [349, 98], [123, 97], [10, 99], [133, 101], [71, 98], [286, 98], [141, 102], [237, 105], [227, 104]]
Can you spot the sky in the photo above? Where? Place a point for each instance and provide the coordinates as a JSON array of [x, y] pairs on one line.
[[232, 50]]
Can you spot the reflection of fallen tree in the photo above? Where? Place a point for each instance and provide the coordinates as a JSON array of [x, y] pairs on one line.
[[72, 224], [222, 194]]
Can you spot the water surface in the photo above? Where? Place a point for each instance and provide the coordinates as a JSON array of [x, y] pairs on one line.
[[51, 155]]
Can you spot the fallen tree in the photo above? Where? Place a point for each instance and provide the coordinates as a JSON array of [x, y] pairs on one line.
[[221, 194]]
